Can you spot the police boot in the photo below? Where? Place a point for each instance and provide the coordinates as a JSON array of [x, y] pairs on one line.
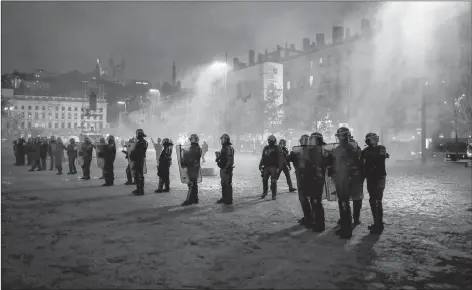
[[346, 221], [142, 186], [357, 206], [229, 195], [290, 185], [319, 216], [338, 224], [378, 226], [159, 186], [273, 188], [223, 194], [265, 189], [166, 185], [189, 195], [139, 190]]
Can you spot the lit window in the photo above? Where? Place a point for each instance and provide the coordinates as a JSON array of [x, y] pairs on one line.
[[312, 64], [288, 85], [321, 61], [311, 81]]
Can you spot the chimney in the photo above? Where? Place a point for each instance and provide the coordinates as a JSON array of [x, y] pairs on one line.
[[286, 53], [292, 46], [365, 25], [338, 34], [235, 63], [320, 40], [260, 58], [348, 33], [252, 56], [174, 73], [306, 43]]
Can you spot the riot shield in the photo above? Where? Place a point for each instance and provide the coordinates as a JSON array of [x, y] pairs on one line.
[[356, 186], [99, 147], [129, 148], [180, 150]]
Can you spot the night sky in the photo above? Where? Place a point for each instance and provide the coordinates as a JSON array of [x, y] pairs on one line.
[[63, 36]]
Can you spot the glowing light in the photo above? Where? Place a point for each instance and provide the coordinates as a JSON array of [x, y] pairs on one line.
[[121, 103]]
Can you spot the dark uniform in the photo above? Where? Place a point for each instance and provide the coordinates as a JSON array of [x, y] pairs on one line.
[[163, 167], [86, 150], [191, 161], [52, 143], [20, 152], [373, 159], [109, 154], [138, 156], [270, 164], [71, 156], [43, 153], [225, 161], [345, 168], [300, 157], [34, 150], [129, 176], [319, 161], [286, 166]]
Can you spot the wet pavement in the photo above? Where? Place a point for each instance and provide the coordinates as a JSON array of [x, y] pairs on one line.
[[59, 232]]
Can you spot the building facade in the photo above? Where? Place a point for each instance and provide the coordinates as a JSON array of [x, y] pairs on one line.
[[53, 115]]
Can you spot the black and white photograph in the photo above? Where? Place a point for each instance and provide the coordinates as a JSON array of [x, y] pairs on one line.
[[236, 144]]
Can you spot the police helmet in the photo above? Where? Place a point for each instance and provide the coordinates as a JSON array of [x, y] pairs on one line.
[[371, 136], [304, 139], [140, 132], [193, 138], [343, 132], [225, 138], [282, 143], [316, 138], [271, 139]]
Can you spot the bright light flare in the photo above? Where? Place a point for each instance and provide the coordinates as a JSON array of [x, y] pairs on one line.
[[121, 103]]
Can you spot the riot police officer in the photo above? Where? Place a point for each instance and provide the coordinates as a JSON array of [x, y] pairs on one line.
[[109, 155], [286, 166], [300, 157], [319, 162], [373, 159], [345, 169], [138, 157], [163, 166], [270, 164], [191, 161], [225, 161]]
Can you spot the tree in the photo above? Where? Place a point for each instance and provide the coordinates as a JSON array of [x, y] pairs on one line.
[[273, 108]]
